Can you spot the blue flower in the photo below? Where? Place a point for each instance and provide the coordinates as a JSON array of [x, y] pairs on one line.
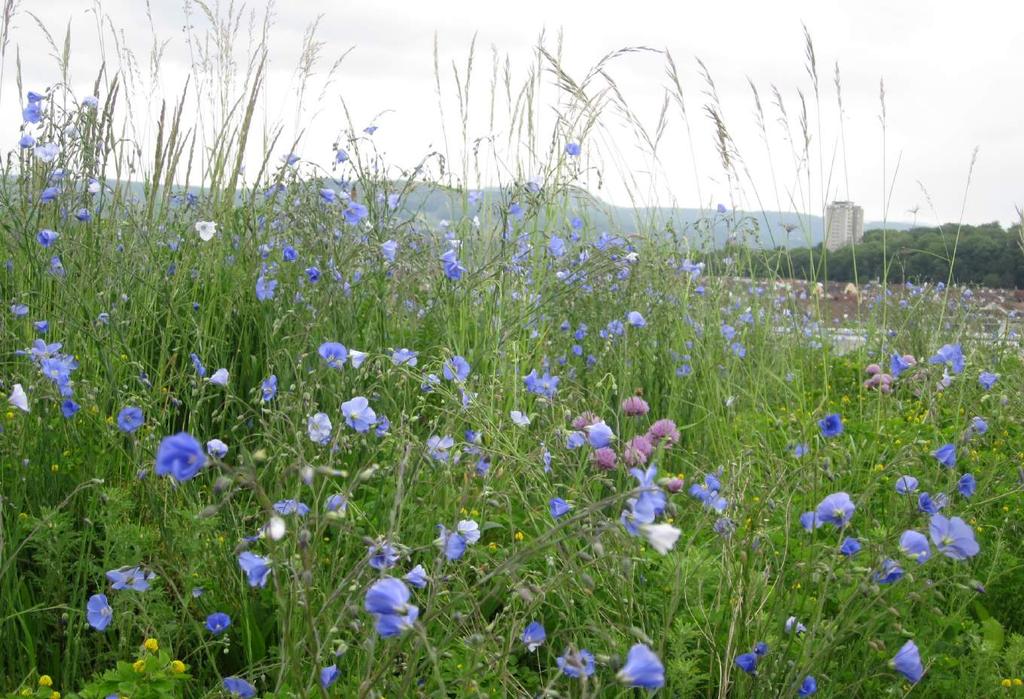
[[334, 353], [809, 521], [967, 485], [559, 507], [328, 195], [216, 448], [197, 364], [358, 414], [403, 356], [129, 419], [382, 556], [747, 662], [130, 578], [545, 385], [599, 434], [636, 320], [236, 685], [572, 149], [329, 675], [850, 546], [180, 456], [217, 623], [642, 669], [897, 365], [456, 369], [836, 509], [387, 596], [978, 425], [389, 249], [987, 379], [533, 636], [453, 544], [290, 506], [355, 212], [906, 485], [928, 505], [255, 567], [576, 664], [268, 389], [890, 572], [556, 246], [438, 447], [390, 625], [808, 687], [98, 612], [417, 577], [946, 455], [950, 354], [953, 537], [907, 662], [831, 425], [46, 237], [68, 408], [915, 545], [336, 502], [32, 113], [265, 288], [452, 268]]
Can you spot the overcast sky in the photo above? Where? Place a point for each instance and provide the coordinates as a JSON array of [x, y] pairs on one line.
[[953, 77]]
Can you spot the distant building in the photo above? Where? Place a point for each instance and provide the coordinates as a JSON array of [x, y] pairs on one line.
[[844, 224]]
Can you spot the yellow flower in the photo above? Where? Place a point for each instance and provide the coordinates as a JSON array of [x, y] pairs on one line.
[[493, 546], [45, 681], [26, 692], [177, 666], [520, 536], [139, 665], [54, 468], [1007, 682], [55, 695], [1017, 682], [151, 645]]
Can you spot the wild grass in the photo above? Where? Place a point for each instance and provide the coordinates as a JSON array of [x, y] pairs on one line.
[[744, 368]]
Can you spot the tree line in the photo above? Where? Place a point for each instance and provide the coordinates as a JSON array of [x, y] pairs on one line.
[[986, 255]]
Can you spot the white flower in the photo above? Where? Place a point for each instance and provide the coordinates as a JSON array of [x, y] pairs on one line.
[[662, 537], [357, 358], [276, 528], [519, 418], [470, 530], [206, 229], [220, 377], [319, 428], [18, 398]]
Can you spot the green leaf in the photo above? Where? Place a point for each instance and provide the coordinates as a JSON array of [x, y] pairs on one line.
[[992, 633]]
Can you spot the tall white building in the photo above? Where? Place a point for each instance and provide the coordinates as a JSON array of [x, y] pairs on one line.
[[844, 224]]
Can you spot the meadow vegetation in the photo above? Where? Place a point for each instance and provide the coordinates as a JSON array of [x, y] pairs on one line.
[[269, 431]]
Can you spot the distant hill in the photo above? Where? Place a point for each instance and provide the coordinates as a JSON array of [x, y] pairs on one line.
[[767, 229]]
